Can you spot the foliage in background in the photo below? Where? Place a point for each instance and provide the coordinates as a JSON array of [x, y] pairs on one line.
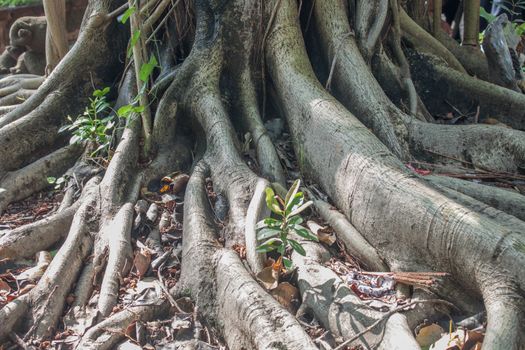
[[274, 232]]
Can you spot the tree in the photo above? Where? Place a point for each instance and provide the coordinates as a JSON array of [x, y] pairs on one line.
[[349, 138]]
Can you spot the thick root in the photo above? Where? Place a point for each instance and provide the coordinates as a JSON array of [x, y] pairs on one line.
[[406, 212], [222, 288], [507, 201]]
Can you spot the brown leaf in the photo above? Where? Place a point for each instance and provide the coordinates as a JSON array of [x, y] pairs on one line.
[[141, 262], [428, 335], [4, 287], [269, 277], [325, 234], [472, 340], [179, 183], [287, 295]]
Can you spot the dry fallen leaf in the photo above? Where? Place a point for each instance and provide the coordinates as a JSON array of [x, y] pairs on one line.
[[286, 294], [141, 262], [325, 234], [4, 287], [428, 335], [269, 277]]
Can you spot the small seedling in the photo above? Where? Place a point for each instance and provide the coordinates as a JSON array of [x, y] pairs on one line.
[[274, 232], [61, 181]]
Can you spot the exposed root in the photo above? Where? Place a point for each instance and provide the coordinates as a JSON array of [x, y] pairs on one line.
[[507, 201], [436, 231], [222, 288], [425, 42], [16, 97], [489, 147], [382, 116], [354, 242], [256, 211], [32, 178], [118, 237], [108, 333], [341, 311], [432, 79], [27, 240]]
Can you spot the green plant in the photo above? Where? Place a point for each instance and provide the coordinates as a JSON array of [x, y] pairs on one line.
[[274, 232], [94, 124], [518, 27], [61, 181]]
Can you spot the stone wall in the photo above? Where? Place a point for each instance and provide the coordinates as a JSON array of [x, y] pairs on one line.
[[74, 13]]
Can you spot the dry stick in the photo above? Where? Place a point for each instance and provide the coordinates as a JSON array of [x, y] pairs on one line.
[[387, 315], [138, 58], [152, 35], [18, 341], [436, 20], [484, 170], [263, 59]]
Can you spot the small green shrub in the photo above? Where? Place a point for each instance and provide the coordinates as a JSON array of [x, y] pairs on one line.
[[274, 232], [94, 124]]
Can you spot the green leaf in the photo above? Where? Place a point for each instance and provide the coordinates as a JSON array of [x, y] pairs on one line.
[[268, 222], [300, 209], [51, 179], [267, 233], [271, 202], [296, 220], [269, 245], [124, 111], [291, 193], [127, 14], [138, 109], [487, 16], [287, 263], [147, 68], [305, 233], [295, 202], [101, 93], [297, 247], [134, 38], [75, 139]]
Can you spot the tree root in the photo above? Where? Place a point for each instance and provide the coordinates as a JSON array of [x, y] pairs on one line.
[[383, 120], [354, 242], [406, 212], [222, 288], [504, 200], [495, 101], [489, 147], [341, 311], [22, 183], [28, 240]]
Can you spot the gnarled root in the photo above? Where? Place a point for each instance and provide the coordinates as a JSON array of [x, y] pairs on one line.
[[222, 288], [436, 231]]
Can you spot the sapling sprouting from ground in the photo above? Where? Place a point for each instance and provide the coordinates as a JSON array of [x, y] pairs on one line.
[[273, 233]]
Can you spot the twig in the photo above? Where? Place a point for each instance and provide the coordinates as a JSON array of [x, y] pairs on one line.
[[387, 315], [171, 300], [16, 339], [117, 12]]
